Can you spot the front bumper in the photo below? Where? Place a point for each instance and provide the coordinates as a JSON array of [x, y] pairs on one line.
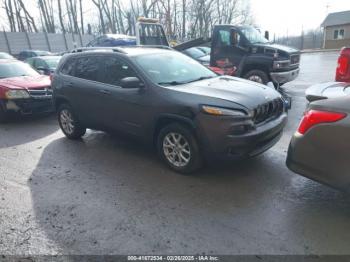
[[284, 77], [28, 106], [221, 142]]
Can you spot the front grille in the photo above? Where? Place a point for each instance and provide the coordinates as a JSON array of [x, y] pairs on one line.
[[268, 111], [294, 59], [41, 93]]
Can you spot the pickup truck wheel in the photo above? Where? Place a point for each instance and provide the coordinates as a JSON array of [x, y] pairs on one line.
[[178, 148], [257, 76], [69, 123]]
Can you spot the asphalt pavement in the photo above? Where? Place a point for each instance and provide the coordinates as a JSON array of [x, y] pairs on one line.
[[108, 195]]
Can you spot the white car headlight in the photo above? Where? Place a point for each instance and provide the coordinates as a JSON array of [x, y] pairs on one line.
[[17, 94], [219, 111]]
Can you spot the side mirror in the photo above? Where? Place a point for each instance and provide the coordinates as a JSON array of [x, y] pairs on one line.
[[267, 35], [131, 82]]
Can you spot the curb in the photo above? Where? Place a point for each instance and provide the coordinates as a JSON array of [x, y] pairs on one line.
[[319, 51]]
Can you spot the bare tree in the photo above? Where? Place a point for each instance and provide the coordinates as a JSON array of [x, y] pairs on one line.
[[47, 15], [182, 19], [31, 26], [7, 5], [81, 17], [60, 16], [99, 5]]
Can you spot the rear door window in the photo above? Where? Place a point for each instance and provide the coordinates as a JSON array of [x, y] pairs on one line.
[[88, 68], [115, 70]]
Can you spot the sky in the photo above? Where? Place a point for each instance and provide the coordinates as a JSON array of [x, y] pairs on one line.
[[280, 17], [291, 16]]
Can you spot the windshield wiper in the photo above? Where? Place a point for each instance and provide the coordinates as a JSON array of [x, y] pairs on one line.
[[174, 83], [171, 83], [199, 79]]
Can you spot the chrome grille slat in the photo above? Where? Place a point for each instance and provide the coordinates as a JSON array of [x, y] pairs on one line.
[[268, 111], [40, 93]]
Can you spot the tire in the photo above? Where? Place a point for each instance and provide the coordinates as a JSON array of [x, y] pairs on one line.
[[257, 76], [69, 123], [167, 139]]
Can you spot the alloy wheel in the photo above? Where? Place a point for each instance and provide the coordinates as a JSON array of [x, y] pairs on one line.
[[67, 121], [176, 149]]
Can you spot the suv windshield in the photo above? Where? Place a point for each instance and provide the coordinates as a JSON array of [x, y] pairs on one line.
[[173, 68], [253, 35], [16, 69]]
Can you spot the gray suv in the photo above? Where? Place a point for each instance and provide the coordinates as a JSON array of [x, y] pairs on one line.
[[167, 99]]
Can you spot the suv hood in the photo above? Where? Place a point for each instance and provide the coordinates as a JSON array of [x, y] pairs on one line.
[[26, 82], [239, 91]]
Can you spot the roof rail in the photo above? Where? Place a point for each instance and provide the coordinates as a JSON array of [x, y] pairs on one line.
[[85, 49], [149, 46]]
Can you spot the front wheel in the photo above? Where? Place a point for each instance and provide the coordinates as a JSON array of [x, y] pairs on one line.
[[258, 76], [69, 123], [178, 148]]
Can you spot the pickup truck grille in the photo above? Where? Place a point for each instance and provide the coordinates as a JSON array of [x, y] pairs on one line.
[[294, 59], [41, 93], [268, 111]]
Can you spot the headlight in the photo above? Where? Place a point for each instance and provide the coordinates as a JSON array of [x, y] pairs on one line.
[[281, 64], [218, 111], [17, 94]]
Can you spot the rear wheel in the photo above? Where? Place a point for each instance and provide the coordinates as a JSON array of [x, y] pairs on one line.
[[258, 76], [69, 123], [178, 148]]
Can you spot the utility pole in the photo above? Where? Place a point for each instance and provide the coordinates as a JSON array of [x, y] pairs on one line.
[[302, 38], [327, 8]]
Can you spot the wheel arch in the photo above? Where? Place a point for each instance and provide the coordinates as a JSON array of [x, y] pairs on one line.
[[262, 67], [59, 101], [167, 119]]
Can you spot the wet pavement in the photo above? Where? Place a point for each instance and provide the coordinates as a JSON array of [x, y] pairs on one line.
[[108, 195]]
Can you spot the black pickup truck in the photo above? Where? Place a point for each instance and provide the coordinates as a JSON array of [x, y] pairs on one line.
[[245, 52], [253, 55], [240, 50]]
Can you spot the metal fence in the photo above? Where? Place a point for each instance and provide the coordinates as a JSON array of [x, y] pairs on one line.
[[310, 40], [15, 42]]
